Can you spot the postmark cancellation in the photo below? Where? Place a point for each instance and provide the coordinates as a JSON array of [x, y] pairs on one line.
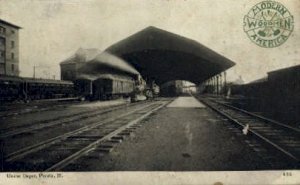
[[268, 24]]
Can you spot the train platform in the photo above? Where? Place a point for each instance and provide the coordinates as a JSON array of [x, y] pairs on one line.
[[183, 136], [186, 102]]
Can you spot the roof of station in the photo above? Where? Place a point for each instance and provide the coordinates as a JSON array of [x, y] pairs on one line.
[[164, 56]]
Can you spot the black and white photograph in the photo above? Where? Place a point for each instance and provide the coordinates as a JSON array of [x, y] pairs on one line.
[[164, 92]]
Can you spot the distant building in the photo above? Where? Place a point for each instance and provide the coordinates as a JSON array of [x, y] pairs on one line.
[[188, 87], [9, 49], [69, 67]]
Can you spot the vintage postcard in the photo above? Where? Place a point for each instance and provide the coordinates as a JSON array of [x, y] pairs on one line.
[[193, 92]]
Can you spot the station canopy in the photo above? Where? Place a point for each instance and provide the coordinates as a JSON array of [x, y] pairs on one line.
[[163, 56]]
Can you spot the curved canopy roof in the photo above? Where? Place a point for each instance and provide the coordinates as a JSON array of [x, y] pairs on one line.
[[164, 56]]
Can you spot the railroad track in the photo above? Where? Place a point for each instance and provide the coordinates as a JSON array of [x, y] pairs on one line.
[[280, 137], [10, 110], [57, 153], [71, 118]]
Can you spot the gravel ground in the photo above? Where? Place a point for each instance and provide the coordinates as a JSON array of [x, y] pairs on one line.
[[180, 139]]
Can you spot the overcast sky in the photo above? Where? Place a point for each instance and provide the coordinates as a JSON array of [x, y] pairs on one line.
[[54, 29]]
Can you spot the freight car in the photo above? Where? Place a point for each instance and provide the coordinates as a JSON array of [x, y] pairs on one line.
[[256, 89], [276, 95], [105, 87], [18, 88]]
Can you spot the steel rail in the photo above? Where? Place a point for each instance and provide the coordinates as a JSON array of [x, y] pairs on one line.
[[266, 140], [60, 165], [259, 116], [36, 147], [54, 119], [57, 121], [51, 107]]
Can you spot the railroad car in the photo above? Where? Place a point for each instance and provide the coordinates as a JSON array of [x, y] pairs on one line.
[[277, 95], [84, 88], [256, 89], [18, 88], [105, 87], [111, 86], [172, 88], [11, 88], [46, 89]]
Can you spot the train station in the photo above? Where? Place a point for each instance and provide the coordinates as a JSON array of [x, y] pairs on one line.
[[154, 101]]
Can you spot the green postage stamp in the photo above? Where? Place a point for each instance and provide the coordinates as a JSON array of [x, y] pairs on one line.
[[268, 24]]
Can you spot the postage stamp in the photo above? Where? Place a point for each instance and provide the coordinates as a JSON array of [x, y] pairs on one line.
[[268, 24]]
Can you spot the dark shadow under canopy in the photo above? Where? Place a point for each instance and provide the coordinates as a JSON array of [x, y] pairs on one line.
[[164, 56]]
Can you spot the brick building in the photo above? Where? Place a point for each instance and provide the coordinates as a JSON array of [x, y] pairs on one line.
[[9, 49]]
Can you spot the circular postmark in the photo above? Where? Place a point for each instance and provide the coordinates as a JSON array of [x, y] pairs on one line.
[[268, 24]]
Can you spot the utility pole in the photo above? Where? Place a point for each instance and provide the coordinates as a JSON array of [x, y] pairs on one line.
[[217, 84], [225, 82], [33, 71]]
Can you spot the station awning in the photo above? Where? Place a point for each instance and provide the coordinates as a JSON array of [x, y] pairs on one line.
[[164, 56]]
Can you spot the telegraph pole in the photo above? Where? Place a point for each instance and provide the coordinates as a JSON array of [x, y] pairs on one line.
[[225, 82], [33, 71]]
